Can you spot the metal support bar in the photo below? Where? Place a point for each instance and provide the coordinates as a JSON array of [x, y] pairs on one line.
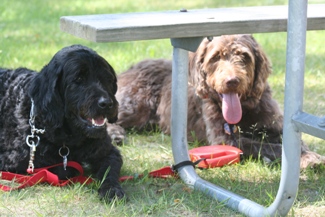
[[294, 87], [179, 141], [288, 187], [179, 114], [190, 44], [309, 124]]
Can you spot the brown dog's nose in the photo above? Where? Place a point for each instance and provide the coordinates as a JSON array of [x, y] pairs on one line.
[[105, 102], [232, 82]]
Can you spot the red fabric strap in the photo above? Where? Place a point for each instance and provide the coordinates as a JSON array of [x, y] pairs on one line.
[[208, 156], [164, 172], [205, 157], [43, 175]]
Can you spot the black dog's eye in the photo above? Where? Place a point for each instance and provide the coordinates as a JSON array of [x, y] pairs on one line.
[[81, 76], [79, 79]]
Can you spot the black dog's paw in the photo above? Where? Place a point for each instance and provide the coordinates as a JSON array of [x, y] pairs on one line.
[[108, 192]]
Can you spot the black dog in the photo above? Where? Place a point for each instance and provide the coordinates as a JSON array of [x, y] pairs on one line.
[[71, 99]]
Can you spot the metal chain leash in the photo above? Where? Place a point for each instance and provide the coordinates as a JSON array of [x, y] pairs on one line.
[[33, 140]]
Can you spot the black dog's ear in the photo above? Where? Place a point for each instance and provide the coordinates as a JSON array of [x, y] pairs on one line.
[[44, 91], [114, 118], [114, 82]]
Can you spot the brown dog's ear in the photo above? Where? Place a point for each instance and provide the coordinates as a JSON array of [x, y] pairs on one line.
[[197, 76], [262, 69]]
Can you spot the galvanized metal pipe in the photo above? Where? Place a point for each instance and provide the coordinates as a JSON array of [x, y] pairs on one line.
[[179, 139], [294, 91], [296, 42]]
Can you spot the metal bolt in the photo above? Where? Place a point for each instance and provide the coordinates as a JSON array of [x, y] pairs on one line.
[[210, 38], [321, 122]]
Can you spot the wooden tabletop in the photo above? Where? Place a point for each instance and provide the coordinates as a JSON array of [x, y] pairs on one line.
[[183, 24]]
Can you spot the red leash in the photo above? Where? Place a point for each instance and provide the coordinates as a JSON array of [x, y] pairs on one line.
[[164, 172], [202, 157], [42, 175]]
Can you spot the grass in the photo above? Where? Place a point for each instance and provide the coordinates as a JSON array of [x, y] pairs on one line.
[[29, 37]]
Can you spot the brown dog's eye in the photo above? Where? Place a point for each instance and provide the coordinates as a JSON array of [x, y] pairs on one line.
[[215, 58], [246, 57]]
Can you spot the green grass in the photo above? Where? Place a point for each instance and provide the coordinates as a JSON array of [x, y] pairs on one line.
[[30, 36]]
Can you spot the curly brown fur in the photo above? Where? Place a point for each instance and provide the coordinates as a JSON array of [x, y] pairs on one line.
[[227, 83], [73, 99]]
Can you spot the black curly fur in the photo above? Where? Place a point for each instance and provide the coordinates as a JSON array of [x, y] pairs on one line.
[[75, 86]]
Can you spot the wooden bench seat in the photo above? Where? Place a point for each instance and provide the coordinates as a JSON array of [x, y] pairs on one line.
[[193, 23]]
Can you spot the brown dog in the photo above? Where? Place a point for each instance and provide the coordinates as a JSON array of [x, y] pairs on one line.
[[229, 99]]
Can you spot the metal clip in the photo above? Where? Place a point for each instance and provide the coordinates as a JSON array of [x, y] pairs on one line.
[[30, 142], [30, 168], [64, 156]]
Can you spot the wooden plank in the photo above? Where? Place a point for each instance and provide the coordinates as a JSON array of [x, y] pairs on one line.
[[193, 23]]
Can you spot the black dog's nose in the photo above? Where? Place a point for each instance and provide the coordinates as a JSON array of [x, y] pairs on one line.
[[105, 103]]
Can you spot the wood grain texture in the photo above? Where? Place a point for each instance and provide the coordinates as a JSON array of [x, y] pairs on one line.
[[193, 23]]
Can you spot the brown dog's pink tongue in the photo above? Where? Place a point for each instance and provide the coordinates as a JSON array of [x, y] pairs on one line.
[[231, 108]]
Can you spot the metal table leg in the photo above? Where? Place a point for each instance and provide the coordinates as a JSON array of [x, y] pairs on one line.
[[291, 138]]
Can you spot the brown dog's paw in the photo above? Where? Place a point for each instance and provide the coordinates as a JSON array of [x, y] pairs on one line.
[[109, 193], [117, 133], [311, 159]]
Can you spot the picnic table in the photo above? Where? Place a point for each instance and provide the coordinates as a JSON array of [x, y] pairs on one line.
[[186, 29]]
